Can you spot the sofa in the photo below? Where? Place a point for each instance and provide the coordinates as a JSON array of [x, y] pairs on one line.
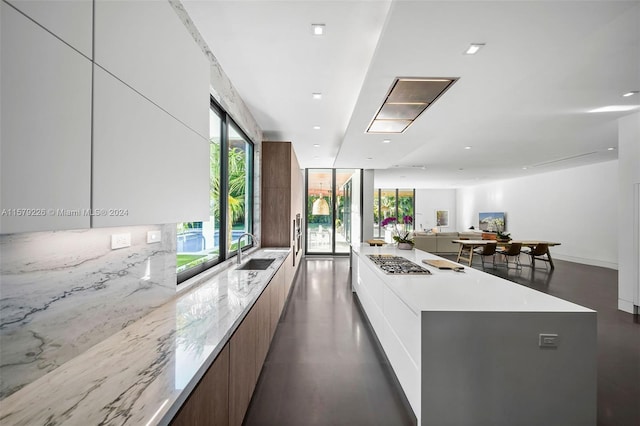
[[442, 242]]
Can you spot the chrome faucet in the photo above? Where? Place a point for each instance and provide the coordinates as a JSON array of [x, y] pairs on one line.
[[239, 254]]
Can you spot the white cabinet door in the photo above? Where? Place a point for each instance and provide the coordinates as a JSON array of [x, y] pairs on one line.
[[45, 138], [145, 44], [71, 20], [148, 168]]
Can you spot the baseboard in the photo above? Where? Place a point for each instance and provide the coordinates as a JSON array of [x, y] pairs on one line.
[[626, 306], [584, 261]]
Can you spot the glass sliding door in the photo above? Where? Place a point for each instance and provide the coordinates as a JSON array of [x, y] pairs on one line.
[[344, 199], [330, 210], [320, 217]]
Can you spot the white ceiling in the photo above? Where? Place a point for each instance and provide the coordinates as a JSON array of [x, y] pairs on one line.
[[522, 101]]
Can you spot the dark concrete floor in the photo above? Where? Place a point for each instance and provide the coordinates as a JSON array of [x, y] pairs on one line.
[[325, 367]]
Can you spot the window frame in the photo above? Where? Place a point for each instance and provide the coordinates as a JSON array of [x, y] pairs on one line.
[[223, 251], [378, 191]]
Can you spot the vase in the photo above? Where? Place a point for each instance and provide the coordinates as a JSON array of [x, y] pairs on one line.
[[405, 246]]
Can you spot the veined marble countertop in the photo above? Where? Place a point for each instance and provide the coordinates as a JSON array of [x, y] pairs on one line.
[[143, 374], [473, 290]]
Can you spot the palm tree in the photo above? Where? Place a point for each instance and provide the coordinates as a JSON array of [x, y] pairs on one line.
[[237, 183]]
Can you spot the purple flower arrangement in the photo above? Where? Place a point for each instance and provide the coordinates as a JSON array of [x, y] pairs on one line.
[[398, 236]]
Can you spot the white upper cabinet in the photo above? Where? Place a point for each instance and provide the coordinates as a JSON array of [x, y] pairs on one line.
[[148, 167], [145, 45], [71, 20], [45, 142]]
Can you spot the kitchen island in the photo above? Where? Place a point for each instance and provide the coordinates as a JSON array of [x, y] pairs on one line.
[[145, 374], [470, 348]]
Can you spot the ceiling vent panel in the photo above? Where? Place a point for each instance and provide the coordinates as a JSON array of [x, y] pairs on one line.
[[400, 111], [405, 101], [426, 90], [389, 126]]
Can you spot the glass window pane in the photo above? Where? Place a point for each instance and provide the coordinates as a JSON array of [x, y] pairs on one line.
[[376, 213], [238, 202], [387, 209], [405, 208]]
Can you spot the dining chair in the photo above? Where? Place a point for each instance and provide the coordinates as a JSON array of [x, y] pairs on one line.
[[513, 251], [486, 250], [538, 252]]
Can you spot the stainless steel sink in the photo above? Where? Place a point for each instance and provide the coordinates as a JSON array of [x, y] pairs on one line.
[[257, 264]]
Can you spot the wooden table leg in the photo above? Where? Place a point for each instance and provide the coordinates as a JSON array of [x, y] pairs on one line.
[[460, 257], [550, 259]]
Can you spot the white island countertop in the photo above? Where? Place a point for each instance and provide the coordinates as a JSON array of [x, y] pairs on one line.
[[143, 374], [471, 290]]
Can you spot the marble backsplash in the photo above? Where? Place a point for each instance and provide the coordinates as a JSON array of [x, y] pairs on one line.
[[62, 292]]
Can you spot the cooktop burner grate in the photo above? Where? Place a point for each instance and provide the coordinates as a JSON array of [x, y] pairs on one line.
[[397, 265]]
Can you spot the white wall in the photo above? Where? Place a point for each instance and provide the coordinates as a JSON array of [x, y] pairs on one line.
[[430, 200], [576, 207], [629, 212]]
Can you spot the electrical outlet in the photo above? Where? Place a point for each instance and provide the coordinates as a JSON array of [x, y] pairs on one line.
[[120, 241], [154, 237], [548, 340]]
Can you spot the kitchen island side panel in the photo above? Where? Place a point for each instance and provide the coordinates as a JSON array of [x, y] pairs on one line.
[[486, 368]]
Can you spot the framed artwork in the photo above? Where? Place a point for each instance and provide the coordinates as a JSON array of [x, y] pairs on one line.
[[442, 217]]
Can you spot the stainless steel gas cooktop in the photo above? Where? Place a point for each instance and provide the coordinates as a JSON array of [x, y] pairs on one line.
[[397, 265]]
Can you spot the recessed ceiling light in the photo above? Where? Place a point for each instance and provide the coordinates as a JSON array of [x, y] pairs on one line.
[[316, 145], [631, 93], [467, 147], [386, 141], [524, 168], [473, 48], [610, 149], [615, 108], [317, 29], [316, 127], [316, 95]]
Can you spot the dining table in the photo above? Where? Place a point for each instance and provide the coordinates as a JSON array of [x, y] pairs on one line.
[[466, 248]]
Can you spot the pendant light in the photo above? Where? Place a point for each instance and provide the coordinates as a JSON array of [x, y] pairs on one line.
[[320, 206]]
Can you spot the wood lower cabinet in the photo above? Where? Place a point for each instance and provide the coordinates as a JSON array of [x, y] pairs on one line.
[[223, 395], [242, 367], [208, 404], [277, 299], [263, 329]]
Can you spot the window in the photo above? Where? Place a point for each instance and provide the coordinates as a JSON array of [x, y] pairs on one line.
[[200, 245], [239, 158], [391, 203]]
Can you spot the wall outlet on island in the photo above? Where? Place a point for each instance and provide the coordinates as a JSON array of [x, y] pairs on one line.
[[120, 241], [548, 340]]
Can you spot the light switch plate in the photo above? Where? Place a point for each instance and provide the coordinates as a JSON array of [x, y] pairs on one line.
[[548, 340], [120, 241], [154, 237]]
